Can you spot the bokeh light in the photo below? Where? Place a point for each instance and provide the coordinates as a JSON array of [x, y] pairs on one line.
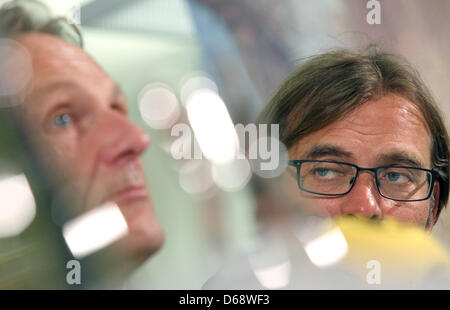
[[327, 249], [158, 106], [274, 277], [95, 229], [233, 175], [195, 177], [271, 264], [17, 205], [212, 126], [16, 69], [195, 81]]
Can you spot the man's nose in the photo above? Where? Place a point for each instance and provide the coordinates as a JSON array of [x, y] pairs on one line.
[[122, 140], [364, 198]]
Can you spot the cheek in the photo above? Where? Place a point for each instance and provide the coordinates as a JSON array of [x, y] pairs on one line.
[[322, 206], [412, 212], [61, 149], [64, 155], [319, 206]]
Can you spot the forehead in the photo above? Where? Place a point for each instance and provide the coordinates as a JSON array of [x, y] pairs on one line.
[[51, 53], [55, 60], [386, 125]]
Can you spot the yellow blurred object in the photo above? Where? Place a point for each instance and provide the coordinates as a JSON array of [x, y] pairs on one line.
[[401, 251]]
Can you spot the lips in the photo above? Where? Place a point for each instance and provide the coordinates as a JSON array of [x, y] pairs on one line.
[[130, 194], [128, 184]]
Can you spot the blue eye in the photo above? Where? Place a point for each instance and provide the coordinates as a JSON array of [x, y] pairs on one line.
[[392, 176], [325, 173], [62, 120], [322, 171], [397, 177]]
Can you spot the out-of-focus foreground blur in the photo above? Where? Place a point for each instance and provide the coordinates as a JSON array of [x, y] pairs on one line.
[[170, 57]]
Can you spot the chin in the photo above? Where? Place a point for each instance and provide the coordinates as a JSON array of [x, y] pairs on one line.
[[145, 234], [145, 241]]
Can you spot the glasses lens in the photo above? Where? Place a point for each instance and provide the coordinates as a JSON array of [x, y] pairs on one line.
[[326, 178], [404, 183]]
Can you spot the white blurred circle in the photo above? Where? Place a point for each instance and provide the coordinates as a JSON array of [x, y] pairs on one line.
[[17, 205], [16, 68], [196, 81], [212, 126], [273, 162], [233, 175], [195, 177], [158, 106]]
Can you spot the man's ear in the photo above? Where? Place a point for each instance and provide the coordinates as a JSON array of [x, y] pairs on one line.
[[433, 213]]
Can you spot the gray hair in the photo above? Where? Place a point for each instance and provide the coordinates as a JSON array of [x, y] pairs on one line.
[[18, 17]]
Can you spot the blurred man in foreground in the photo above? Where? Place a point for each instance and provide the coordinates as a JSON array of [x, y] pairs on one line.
[[364, 137], [77, 119]]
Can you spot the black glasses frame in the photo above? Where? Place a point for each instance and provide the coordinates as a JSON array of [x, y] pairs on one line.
[[298, 163]]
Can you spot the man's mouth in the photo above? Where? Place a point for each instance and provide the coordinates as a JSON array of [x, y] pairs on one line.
[[130, 194], [128, 185]]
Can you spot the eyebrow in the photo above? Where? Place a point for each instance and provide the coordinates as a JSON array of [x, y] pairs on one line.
[[401, 157], [397, 157], [327, 150], [60, 85]]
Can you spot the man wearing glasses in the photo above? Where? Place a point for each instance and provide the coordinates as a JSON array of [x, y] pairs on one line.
[[364, 137]]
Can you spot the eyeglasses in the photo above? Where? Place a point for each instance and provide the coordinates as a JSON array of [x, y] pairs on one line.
[[334, 178]]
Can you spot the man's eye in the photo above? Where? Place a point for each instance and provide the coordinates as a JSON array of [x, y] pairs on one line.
[[392, 176], [325, 172], [397, 177], [62, 121]]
